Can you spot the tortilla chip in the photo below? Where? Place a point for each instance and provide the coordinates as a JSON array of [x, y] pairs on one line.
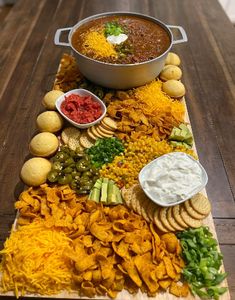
[[179, 290], [169, 267], [129, 266]]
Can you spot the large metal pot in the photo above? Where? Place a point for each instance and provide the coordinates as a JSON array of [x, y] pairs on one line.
[[120, 76]]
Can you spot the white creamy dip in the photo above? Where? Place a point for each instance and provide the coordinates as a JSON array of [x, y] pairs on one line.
[[173, 177], [117, 39]]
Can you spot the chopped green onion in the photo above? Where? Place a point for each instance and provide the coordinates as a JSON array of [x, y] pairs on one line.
[[203, 261], [113, 28]]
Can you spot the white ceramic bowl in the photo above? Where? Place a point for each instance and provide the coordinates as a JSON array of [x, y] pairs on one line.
[[144, 175], [82, 93]]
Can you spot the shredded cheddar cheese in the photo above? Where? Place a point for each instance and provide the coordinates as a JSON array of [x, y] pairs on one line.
[[96, 43], [33, 261], [157, 101]]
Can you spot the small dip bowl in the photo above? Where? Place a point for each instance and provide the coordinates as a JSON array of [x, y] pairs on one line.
[[169, 175], [82, 93]]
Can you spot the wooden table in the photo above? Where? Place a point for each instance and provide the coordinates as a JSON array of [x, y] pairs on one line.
[[29, 60]]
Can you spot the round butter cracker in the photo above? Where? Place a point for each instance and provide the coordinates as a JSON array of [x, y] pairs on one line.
[[172, 221], [91, 135], [69, 132], [109, 123], [103, 134], [151, 209], [158, 222], [193, 213], [144, 209], [177, 216], [164, 220], [201, 204], [126, 195], [85, 141], [194, 223]]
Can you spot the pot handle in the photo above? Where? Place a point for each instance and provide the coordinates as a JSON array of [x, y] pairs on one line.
[[183, 34], [57, 36]]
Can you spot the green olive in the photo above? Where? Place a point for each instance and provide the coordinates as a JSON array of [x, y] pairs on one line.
[[65, 179], [52, 176]]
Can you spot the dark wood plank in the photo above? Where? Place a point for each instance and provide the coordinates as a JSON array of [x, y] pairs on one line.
[[229, 263], [15, 30], [225, 229], [18, 116], [4, 11]]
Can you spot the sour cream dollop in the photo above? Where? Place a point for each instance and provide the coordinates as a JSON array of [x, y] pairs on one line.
[[172, 178], [117, 39]]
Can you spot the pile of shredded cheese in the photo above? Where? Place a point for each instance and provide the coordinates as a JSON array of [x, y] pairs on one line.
[[157, 101], [34, 261], [97, 43]]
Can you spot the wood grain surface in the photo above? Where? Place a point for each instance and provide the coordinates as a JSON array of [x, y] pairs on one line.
[[29, 60]]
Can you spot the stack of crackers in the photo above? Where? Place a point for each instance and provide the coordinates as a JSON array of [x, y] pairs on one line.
[[168, 219], [86, 138]]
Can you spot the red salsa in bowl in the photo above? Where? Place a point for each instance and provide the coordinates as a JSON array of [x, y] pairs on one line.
[[81, 108]]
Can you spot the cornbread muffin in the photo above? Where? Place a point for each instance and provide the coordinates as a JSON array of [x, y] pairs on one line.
[[50, 98], [44, 144], [49, 121], [172, 59], [34, 171], [170, 72], [174, 88]]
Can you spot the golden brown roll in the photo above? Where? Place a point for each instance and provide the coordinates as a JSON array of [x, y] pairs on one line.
[[44, 144], [173, 88], [170, 72], [34, 171], [49, 121], [50, 98], [172, 59]]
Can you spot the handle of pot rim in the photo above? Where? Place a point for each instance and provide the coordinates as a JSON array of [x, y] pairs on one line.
[[57, 36], [183, 34]]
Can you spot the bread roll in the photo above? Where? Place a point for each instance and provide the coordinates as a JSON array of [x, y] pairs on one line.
[[50, 98], [172, 59], [34, 171], [49, 121], [44, 144], [174, 88], [170, 72]]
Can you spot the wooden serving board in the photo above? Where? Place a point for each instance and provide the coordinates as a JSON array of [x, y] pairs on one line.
[[125, 295]]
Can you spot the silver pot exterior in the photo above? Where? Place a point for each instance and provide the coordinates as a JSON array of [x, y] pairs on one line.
[[119, 76]]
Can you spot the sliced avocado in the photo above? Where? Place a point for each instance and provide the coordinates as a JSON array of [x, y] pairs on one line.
[[104, 190], [98, 183], [189, 141], [177, 136], [110, 191], [95, 196], [183, 126]]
